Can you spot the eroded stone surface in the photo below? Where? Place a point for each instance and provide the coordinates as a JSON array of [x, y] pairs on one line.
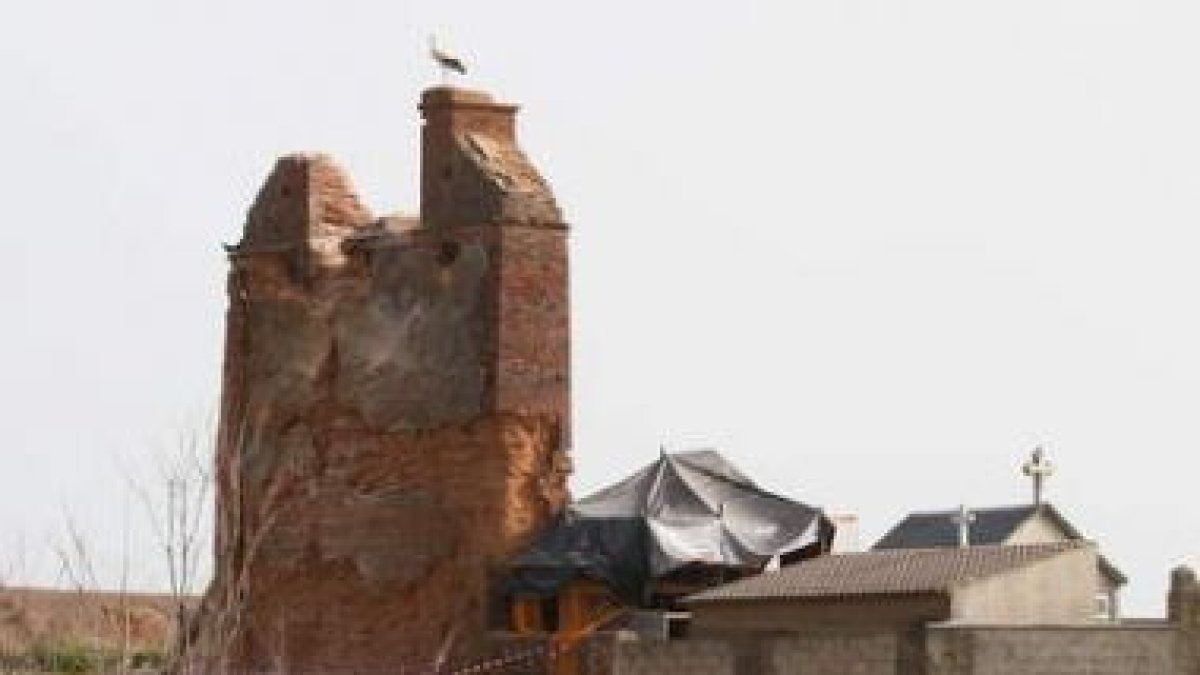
[[395, 407]]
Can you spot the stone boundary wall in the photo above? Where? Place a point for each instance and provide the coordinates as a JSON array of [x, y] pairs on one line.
[[1121, 649], [693, 657], [822, 655], [867, 654]]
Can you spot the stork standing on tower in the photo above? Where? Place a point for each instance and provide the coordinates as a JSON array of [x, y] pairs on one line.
[[445, 60]]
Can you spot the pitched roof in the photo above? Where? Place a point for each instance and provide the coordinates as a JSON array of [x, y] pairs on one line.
[[892, 572], [992, 526], [935, 529]]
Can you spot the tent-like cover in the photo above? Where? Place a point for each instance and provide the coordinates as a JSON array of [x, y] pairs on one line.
[[685, 509]]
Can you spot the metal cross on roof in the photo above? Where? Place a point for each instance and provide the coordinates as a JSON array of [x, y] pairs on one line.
[[963, 518], [1038, 468]]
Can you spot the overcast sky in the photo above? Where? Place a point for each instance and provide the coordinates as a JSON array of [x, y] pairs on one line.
[[873, 250]]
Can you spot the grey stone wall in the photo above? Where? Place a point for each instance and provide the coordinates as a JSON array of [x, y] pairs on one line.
[[693, 657], [865, 654], [1131, 649], [873, 654]]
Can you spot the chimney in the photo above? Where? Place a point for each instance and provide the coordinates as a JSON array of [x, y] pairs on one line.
[[452, 116], [448, 110], [846, 533], [1183, 599]]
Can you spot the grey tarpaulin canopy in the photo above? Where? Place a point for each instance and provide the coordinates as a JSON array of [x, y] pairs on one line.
[[685, 509]]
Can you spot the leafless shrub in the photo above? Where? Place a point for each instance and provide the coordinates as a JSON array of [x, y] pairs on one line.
[[176, 498], [212, 634]]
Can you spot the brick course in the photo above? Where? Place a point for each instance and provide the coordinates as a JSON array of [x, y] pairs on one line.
[[395, 407]]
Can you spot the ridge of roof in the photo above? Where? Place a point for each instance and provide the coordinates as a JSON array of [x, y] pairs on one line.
[[982, 509], [993, 525], [915, 530], [886, 572]]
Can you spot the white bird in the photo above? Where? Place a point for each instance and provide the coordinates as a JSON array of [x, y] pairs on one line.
[[446, 60]]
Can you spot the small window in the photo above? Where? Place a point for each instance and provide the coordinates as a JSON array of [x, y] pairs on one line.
[[1103, 607], [678, 625]]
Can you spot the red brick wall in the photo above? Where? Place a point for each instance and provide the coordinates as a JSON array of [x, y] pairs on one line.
[[533, 332], [395, 411], [382, 552]]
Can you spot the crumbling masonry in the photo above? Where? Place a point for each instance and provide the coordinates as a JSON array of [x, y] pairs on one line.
[[395, 408]]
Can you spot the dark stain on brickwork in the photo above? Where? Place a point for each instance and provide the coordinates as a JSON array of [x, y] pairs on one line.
[[395, 405]]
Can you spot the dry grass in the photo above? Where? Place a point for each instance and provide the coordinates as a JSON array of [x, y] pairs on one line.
[[42, 624]]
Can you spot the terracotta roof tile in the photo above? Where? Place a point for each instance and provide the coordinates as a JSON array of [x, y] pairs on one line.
[[900, 571], [991, 526]]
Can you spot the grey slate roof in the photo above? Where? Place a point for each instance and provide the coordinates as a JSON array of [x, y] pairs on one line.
[[892, 572], [992, 526], [937, 528]]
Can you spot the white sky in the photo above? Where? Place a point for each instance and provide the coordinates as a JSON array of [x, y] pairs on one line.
[[873, 250]]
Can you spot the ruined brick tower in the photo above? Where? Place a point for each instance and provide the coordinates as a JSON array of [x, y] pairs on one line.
[[395, 412]]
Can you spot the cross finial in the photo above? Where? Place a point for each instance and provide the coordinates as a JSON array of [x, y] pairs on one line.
[[963, 518], [1038, 468]]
